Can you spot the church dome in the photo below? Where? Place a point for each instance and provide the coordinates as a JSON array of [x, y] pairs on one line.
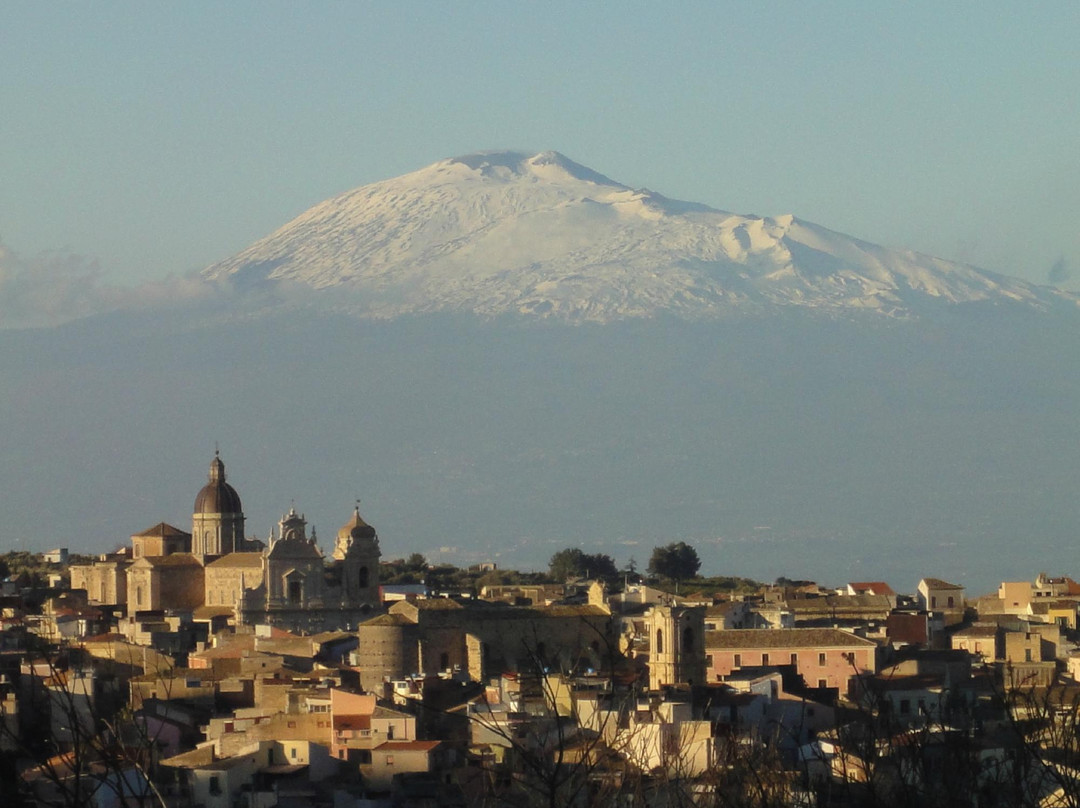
[[217, 496], [356, 528]]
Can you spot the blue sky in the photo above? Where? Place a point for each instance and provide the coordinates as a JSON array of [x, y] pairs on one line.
[[158, 138]]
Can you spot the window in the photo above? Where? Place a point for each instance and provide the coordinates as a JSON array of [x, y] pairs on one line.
[[764, 659], [295, 592], [823, 683], [292, 752], [363, 578], [1027, 655], [951, 603], [444, 661], [738, 661], [708, 660], [659, 641], [389, 760], [821, 659], [933, 601], [795, 659], [215, 785], [905, 706], [688, 640]]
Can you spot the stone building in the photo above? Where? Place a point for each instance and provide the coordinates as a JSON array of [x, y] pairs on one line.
[[824, 657], [215, 572], [227, 578], [480, 639], [676, 645], [160, 540], [171, 582], [299, 590], [104, 580]]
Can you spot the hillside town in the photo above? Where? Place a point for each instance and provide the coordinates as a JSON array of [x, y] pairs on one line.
[[214, 669]]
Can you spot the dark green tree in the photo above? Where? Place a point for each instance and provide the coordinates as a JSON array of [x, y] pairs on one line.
[[677, 561], [573, 562]]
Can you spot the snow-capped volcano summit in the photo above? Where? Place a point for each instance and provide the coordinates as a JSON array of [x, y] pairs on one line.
[[506, 232]]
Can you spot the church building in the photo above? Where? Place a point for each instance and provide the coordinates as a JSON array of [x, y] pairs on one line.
[[215, 572]]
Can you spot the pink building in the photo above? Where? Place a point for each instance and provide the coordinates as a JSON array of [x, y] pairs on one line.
[[824, 657]]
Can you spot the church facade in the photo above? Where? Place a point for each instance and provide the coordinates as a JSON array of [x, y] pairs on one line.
[[217, 574]]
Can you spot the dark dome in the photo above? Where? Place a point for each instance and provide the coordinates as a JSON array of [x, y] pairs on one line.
[[356, 528], [217, 496]]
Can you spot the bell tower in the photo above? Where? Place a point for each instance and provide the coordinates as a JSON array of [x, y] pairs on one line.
[[676, 645], [357, 548]]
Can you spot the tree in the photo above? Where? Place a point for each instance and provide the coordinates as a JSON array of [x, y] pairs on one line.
[[677, 561], [573, 562]]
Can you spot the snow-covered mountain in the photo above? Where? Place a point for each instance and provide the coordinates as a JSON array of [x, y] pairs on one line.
[[505, 232]]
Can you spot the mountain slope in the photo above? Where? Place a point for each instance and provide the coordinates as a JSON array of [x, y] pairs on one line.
[[505, 232]]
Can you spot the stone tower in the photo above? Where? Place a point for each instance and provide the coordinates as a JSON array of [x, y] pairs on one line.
[[357, 549], [217, 525], [294, 567], [676, 645]]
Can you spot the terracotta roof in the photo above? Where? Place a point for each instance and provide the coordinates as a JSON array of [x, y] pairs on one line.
[[207, 612], [937, 583], [785, 638], [839, 603], [331, 636], [408, 746], [977, 630], [174, 560], [386, 712], [197, 757], [105, 638], [161, 530], [238, 560], [388, 620], [923, 681], [343, 722], [570, 611], [437, 604], [873, 587]]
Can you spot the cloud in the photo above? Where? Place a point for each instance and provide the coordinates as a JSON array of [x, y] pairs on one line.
[[56, 287], [1059, 271]]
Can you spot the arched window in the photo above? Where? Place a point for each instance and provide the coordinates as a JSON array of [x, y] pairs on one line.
[[659, 641], [138, 596], [688, 640], [363, 578]]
